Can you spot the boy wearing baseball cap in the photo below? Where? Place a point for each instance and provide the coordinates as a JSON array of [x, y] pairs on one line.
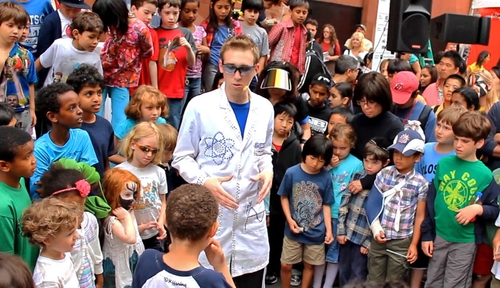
[[395, 209], [319, 112], [404, 89], [461, 200]]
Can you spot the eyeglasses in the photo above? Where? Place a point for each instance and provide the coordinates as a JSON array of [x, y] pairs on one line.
[[243, 69], [147, 149], [369, 103]]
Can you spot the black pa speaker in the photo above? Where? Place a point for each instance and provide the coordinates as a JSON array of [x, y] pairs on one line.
[[465, 29], [409, 26]]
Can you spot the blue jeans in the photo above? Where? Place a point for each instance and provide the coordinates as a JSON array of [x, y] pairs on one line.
[[192, 89], [332, 254], [353, 265], [120, 97], [175, 108]]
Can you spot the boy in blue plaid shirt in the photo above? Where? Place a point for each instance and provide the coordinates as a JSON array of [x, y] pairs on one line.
[[353, 230], [395, 209]]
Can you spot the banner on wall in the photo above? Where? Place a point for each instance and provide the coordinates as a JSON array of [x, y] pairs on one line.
[[381, 29], [477, 4]]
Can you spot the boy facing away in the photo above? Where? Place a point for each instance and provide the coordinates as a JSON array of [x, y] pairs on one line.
[[462, 197], [353, 231], [192, 222], [16, 162], [306, 196], [17, 65], [395, 209]]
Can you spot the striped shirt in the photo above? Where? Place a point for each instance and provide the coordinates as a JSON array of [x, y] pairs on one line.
[[352, 216], [414, 190]]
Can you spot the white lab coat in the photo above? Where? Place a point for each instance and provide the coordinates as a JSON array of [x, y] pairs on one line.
[[210, 145]]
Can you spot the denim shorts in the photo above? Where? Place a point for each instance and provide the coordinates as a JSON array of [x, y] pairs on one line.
[[333, 249]]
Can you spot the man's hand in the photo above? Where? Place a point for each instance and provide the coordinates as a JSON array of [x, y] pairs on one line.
[[428, 248], [223, 198], [266, 177]]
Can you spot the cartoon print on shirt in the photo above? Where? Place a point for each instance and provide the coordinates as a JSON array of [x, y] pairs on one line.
[[17, 64], [306, 200]]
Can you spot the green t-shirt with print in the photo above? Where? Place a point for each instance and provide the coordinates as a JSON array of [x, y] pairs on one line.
[[457, 181], [13, 201]]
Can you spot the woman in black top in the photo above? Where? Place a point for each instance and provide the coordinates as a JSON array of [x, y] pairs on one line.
[[373, 95]]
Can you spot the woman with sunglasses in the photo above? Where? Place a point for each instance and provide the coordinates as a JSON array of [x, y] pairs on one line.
[[143, 149], [373, 95]]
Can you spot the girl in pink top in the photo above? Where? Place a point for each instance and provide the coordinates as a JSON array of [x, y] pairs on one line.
[[128, 42]]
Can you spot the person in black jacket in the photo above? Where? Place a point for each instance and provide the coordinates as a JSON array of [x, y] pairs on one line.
[[286, 153]]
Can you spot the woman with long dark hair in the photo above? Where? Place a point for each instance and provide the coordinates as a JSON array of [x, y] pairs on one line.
[[483, 58], [428, 76]]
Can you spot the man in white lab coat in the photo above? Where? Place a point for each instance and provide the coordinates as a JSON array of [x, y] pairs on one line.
[[225, 144]]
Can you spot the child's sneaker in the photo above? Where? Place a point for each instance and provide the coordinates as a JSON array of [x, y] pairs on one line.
[[296, 280], [271, 279]]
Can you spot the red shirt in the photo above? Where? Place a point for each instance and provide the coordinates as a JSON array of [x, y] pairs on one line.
[[145, 75], [172, 67], [294, 59]]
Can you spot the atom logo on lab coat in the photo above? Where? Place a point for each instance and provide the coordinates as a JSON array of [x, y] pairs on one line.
[[219, 148]]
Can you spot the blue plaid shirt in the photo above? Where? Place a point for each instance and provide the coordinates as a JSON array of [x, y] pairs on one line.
[[352, 216], [414, 190]]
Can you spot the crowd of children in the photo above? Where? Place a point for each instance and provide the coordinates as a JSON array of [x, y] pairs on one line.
[[85, 205]]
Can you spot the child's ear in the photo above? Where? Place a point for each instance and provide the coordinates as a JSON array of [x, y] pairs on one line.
[[479, 144], [213, 229], [75, 34], [133, 8], [345, 101], [52, 116], [418, 157], [4, 166], [386, 163]]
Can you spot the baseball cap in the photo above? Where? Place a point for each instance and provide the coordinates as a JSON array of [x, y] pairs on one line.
[[408, 142], [322, 79], [75, 4], [361, 26], [403, 84]]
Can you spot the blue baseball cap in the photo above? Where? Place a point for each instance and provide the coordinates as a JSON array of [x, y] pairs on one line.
[[408, 142]]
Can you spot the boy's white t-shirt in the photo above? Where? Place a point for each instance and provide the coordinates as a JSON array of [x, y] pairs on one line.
[[153, 183], [55, 273], [495, 269], [63, 58]]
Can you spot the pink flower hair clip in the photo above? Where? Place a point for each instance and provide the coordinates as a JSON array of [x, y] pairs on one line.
[[82, 186]]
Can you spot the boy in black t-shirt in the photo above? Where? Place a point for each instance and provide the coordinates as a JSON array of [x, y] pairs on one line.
[[319, 112]]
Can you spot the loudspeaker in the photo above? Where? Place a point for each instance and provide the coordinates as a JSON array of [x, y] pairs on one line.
[[409, 26], [465, 29]]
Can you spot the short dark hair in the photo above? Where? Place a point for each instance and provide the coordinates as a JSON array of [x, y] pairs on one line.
[[311, 21], [377, 148], [47, 98], [456, 58], [344, 63], [473, 125], [318, 146], [252, 5], [11, 10], [398, 65], [12, 138], [373, 86], [87, 22], [438, 56], [169, 3], [58, 178], [85, 76], [7, 113], [344, 112], [285, 108], [456, 77], [298, 3], [192, 211], [140, 3], [470, 96]]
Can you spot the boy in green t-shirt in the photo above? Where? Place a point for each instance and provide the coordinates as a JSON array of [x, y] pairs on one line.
[[16, 161], [462, 198]]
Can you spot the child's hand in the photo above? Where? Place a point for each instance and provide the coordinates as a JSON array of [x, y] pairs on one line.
[[146, 226], [294, 227], [496, 253], [412, 254], [428, 248], [120, 213], [202, 49], [99, 281], [329, 237], [267, 220], [215, 255], [341, 239], [465, 215], [496, 138], [162, 232], [335, 161], [355, 187], [363, 250], [380, 237], [184, 42]]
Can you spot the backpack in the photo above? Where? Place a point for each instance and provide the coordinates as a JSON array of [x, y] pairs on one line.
[[314, 65], [424, 116]]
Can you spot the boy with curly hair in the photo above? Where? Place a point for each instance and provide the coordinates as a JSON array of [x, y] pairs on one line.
[[51, 225], [192, 222]]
